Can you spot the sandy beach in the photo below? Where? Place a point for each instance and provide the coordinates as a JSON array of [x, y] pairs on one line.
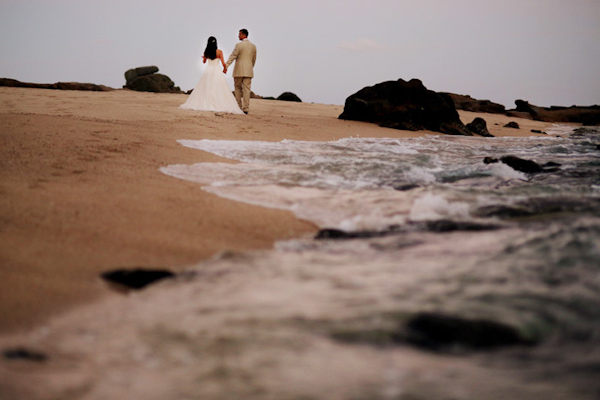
[[81, 193]]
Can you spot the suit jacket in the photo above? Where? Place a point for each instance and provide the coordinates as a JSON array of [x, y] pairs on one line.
[[244, 56]]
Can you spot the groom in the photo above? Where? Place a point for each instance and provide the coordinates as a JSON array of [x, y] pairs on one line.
[[244, 56]]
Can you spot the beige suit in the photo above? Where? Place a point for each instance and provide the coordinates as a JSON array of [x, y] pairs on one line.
[[244, 56]]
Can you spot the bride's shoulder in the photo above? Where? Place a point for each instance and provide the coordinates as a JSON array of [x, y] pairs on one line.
[[219, 52]]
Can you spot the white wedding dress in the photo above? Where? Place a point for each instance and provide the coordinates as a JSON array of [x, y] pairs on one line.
[[212, 92]]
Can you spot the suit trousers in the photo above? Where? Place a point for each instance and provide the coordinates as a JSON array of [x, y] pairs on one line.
[[242, 91]]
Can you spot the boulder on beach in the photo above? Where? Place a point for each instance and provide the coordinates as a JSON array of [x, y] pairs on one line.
[[146, 79], [479, 127], [289, 96], [133, 73], [406, 106]]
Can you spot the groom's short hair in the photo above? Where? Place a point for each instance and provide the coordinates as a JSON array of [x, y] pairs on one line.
[[244, 31]]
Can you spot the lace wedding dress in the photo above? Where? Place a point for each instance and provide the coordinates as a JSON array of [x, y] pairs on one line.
[[212, 92]]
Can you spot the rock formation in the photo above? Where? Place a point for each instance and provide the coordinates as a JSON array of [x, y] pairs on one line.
[[133, 73], [467, 103], [404, 105], [584, 115], [146, 79], [57, 86]]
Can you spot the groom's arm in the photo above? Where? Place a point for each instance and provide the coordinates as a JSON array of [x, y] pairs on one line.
[[233, 55]]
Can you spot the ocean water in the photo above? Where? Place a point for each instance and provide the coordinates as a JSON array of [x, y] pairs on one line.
[[426, 246]]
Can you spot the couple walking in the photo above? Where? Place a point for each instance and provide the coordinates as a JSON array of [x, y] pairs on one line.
[[212, 92]]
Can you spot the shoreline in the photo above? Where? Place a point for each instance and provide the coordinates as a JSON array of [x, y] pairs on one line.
[[82, 192]]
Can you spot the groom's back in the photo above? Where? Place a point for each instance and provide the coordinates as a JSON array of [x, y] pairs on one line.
[[245, 60]]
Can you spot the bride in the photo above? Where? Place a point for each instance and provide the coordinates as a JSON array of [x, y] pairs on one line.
[[212, 92]]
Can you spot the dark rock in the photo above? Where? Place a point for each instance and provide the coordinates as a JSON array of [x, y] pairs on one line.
[[403, 187], [406, 106], [585, 115], [538, 131], [436, 332], [467, 103], [289, 96], [520, 164], [136, 278], [156, 83], [440, 332], [444, 225], [57, 86], [133, 73], [338, 234], [479, 127], [503, 211], [79, 86], [512, 125], [537, 206], [516, 163], [20, 353]]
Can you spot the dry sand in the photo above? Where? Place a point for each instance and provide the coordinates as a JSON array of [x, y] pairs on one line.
[[81, 193]]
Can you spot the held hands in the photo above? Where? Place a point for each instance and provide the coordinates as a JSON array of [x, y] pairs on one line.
[[225, 69]]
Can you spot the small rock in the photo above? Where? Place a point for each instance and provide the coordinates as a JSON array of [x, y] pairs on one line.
[[444, 225], [20, 353], [441, 332], [521, 164], [516, 163], [512, 125], [403, 187], [479, 127], [338, 234], [136, 278]]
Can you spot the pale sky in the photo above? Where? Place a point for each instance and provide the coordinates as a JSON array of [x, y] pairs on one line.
[[543, 51]]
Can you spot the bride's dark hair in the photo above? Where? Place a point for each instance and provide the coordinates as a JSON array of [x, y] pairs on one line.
[[211, 48]]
